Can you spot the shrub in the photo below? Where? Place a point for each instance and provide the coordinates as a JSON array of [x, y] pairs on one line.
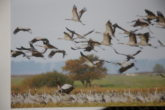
[[48, 79]]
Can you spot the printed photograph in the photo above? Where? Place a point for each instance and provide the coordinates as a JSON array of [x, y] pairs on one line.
[[87, 53]]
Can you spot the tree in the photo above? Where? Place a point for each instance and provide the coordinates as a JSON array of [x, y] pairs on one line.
[[84, 73], [158, 68]]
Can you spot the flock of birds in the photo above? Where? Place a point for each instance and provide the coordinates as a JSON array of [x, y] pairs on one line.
[[89, 44], [53, 96]]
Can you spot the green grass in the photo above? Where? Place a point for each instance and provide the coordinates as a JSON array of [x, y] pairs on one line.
[[115, 81], [122, 81], [17, 80]]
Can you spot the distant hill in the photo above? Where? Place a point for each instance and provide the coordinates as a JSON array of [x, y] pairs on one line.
[[31, 67]]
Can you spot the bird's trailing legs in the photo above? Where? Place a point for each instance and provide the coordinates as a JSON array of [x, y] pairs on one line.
[[150, 30], [132, 21], [116, 38], [95, 50], [82, 23], [101, 48], [73, 42]]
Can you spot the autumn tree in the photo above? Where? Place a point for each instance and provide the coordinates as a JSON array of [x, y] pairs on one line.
[[84, 73]]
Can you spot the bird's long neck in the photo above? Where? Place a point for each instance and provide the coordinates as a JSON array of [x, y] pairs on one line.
[[39, 45], [60, 38], [122, 43], [98, 32], [141, 16], [67, 19]]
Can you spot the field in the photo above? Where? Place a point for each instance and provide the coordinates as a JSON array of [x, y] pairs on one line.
[[114, 81], [110, 82]]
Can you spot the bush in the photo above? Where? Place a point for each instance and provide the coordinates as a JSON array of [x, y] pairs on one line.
[[158, 68], [48, 79]]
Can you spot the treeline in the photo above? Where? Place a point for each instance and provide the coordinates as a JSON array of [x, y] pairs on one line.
[[48, 79]]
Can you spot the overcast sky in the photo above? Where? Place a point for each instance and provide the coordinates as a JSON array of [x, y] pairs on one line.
[[46, 18]]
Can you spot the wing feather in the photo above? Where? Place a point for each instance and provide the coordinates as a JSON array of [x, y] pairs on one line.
[[81, 12], [74, 12], [149, 12], [123, 69]]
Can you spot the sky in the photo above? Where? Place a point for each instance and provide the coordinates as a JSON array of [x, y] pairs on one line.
[[46, 18]]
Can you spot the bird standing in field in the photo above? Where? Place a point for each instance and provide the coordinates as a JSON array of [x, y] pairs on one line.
[[125, 65], [77, 16], [22, 29]]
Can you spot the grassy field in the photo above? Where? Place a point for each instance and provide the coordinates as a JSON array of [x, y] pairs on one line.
[[115, 82], [122, 81]]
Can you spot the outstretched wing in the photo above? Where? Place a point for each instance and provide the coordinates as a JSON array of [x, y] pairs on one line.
[[162, 76], [88, 33], [71, 31], [51, 54], [86, 58], [16, 30], [160, 17], [118, 53], [39, 39], [149, 12], [123, 69], [81, 12], [136, 53], [19, 48], [74, 12], [160, 42]]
